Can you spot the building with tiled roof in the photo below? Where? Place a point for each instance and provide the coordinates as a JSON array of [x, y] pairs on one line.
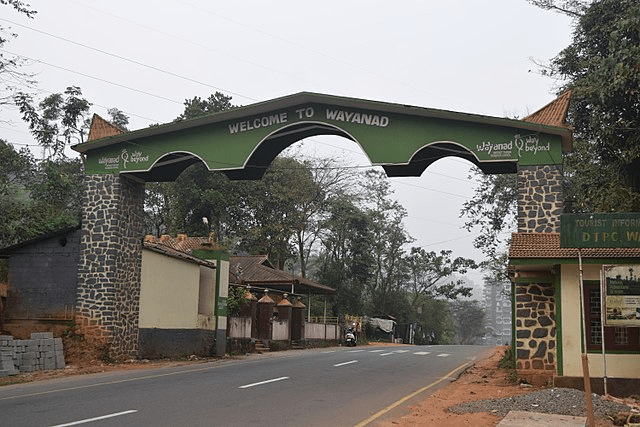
[[549, 284]]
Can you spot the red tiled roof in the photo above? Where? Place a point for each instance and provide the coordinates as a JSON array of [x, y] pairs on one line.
[[547, 245], [100, 128], [552, 114], [186, 244], [169, 251]]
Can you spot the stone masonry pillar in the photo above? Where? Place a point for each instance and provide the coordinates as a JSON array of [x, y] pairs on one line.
[[540, 198], [108, 296]]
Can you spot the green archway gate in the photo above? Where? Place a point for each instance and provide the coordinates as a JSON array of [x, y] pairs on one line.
[[242, 142]]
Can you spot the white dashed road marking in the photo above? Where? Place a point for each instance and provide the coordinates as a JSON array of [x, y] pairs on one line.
[[264, 382], [90, 420], [346, 363]]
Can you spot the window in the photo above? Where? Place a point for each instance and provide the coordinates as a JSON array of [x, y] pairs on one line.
[[616, 338]]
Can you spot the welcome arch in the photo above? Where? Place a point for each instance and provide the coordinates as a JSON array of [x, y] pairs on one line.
[[243, 142]]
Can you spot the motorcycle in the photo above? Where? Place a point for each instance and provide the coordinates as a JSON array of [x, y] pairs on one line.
[[350, 337]]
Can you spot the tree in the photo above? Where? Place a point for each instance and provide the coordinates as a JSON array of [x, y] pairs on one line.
[[602, 172], [600, 67], [10, 73], [492, 209], [16, 171], [58, 121], [390, 237], [118, 118], [197, 106], [469, 320], [346, 259], [36, 197], [430, 275], [180, 206]]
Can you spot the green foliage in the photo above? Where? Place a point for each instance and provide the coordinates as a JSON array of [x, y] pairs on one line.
[[436, 322], [10, 73], [57, 121], [601, 69], [118, 118], [197, 106], [430, 275], [492, 209], [36, 197], [508, 360], [237, 297], [469, 320]]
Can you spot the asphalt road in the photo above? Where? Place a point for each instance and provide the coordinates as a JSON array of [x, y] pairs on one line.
[[321, 387]]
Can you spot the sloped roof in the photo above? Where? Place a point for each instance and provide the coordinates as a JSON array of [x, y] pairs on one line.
[[169, 251], [100, 128], [552, 114], [6, 251], [184, 243], [547, 246], [256, 270]]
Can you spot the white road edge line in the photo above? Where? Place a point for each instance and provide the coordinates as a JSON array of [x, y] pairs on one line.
[[89, 420], [264, 382], [346, 363]]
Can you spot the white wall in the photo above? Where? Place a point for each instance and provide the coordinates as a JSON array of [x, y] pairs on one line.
[[169, 292], [618, 365]]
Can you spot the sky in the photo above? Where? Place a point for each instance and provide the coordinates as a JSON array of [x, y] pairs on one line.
[[147, 57]]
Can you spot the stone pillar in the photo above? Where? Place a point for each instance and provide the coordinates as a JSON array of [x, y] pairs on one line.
[[108, 296], [540, 198], [535, 332]]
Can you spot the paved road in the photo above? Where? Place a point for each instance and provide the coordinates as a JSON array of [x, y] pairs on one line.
[[322, 387]]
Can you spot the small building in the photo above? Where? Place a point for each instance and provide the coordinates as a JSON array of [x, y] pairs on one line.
[[40, 293], [177, 303], [548, 329]]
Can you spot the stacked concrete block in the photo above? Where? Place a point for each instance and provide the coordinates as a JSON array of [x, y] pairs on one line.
[[41, 352], [7, 356]]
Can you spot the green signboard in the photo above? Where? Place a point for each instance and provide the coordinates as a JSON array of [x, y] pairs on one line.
[[611, 230], [389, 134]]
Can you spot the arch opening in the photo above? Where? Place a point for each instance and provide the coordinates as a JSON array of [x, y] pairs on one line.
[[431, 153]]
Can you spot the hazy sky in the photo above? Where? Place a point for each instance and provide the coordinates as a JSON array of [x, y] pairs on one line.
[[147, 57]]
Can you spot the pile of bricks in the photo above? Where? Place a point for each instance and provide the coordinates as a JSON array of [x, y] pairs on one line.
[[41, 352]]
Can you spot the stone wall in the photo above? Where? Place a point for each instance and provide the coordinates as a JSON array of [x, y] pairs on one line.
[[107, 304], [540, 198], [535, 332]]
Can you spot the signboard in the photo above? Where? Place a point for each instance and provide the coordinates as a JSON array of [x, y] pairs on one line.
[[389, 135], [622, 295], [614, 230]]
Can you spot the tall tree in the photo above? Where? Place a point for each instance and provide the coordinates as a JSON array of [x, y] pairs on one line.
[[17, 169], [197, 106], [58, 121], [431, 275], [180, 206], [602, 172], [345, 257], [386, 218], [601, 69], [10, 74], [469, 319]]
